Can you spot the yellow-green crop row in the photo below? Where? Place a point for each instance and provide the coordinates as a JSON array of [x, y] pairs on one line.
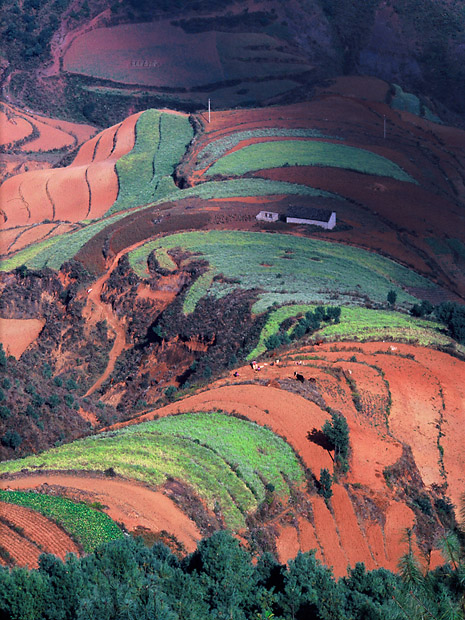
[[276, 154], [224, 459]]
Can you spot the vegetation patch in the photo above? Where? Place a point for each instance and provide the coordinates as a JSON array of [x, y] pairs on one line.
[[89, 527], [216, 149], [281, 153], [366, 324], [289, 269], [228, 461], [271, 327], [161, 140]]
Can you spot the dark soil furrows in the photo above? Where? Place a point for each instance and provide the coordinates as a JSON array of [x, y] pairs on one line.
[[89, 190], [97, 142], [49, 196], [115, 140], [24, 201]]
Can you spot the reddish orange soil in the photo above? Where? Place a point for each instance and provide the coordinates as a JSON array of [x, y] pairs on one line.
[[13, 129], [418, 380], [17, 334], [85, 189], [38, 535], [127, 502]]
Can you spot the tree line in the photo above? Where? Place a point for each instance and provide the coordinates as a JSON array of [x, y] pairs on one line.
[[220, 580]]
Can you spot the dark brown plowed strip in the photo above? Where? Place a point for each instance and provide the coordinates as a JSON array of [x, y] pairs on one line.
[[89, 190], [49, 196], [97, 142], [115, 140], [24, 201], [16, 239]]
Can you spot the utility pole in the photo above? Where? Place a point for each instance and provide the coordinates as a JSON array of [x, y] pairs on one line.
[[208, 110]]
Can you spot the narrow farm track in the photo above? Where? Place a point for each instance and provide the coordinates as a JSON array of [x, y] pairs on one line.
[[96, 310]]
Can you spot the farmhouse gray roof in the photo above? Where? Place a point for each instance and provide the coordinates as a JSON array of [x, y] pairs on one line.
[[309, 213]]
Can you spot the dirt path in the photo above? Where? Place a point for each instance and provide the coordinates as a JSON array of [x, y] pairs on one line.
[[97, 310], [127, 502]]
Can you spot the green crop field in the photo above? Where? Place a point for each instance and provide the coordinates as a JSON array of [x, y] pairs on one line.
[[57, 250], [198, 290], [280, 153], [290, 269], [161, 140], [217, 148], [225, 459], [365, 324], [89, 527]]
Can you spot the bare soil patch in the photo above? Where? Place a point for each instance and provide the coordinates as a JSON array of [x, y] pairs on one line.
[[127, 502], [17, 334]]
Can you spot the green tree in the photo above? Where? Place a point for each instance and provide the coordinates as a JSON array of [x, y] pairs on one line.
[[391, 297], [326, 481], [337, 432]]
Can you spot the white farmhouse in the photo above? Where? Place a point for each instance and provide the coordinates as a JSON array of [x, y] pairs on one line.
[[311, 216], [267, 216]]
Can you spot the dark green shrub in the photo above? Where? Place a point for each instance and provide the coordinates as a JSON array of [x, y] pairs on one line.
[[326, 480], [12, 439]]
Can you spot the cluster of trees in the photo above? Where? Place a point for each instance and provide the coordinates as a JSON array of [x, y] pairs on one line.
[[126, 580], [448, 312], [308, 324]]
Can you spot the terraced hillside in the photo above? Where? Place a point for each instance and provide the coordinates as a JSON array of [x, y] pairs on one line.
[[402, 469], [136, 282]]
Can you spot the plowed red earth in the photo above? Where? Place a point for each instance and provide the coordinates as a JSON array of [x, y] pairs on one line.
[[17, 334], [34, 142], [85, 189], [416, 377], [126, 502], [25, 534]]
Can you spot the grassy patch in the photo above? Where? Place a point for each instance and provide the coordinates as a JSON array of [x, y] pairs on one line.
[[161, 140], [226, 460], [87, 526], [275, 318], [291, 269], [280, 153], [198, 290], [365, 324], [216, 149], [411, 103]]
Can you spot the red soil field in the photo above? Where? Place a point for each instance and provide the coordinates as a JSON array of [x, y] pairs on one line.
[[85, 189], [127, 502], [173, 58], [17, 334], [416, 378], [13, 129], [16, 239], [38, 535]]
